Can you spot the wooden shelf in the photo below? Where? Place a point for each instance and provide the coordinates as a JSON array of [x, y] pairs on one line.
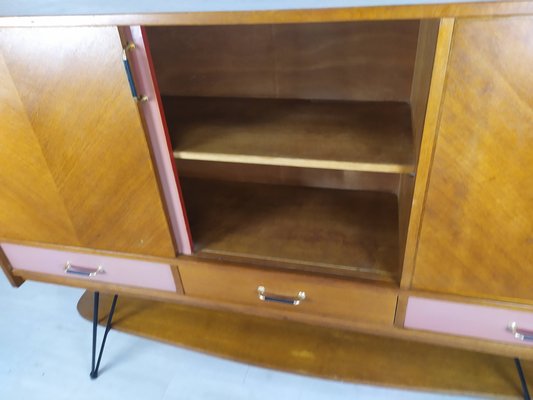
[[341, 135], [225, 334], [342, 232]]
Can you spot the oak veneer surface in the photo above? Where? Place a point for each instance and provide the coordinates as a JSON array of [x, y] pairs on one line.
[[366, 61], [334, 231], [359, 136], [328, 297], [314, 350], [477, 230], [30, 204], [83, 133]]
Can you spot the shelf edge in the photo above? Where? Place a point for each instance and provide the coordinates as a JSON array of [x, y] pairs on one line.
[[296, 162]]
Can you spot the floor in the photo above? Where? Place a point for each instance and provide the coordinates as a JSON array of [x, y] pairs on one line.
[[45, 354]]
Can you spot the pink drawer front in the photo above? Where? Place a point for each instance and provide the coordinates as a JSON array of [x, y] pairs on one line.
[[119, 271], [468, 320]]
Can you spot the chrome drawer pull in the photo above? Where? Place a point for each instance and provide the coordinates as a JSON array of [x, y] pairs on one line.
[[263, 296], [520, 334], [83, 271]]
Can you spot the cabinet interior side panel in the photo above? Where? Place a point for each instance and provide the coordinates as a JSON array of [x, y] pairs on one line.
[[423, 69], [432, 112]]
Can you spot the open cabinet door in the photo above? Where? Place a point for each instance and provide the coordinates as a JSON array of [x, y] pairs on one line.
[[76, 165], [156, 126]]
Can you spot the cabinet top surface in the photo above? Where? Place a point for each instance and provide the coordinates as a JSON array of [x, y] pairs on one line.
[[190, 12], [83, 7]]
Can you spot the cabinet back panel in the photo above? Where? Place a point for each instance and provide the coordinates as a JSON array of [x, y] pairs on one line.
[[332, 61], [477, 229]]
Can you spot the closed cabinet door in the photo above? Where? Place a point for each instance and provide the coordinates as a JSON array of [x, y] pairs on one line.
[[75, 166], [476, 235]]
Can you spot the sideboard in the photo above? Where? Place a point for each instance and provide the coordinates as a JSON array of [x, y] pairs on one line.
[[366, 168]]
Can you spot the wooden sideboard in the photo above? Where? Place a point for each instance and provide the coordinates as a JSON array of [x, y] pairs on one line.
[[367, 168]]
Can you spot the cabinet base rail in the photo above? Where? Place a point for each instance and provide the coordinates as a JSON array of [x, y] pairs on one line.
[[96, 301]]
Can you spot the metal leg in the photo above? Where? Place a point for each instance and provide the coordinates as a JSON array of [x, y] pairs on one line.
[[94, 368], [523, 382]]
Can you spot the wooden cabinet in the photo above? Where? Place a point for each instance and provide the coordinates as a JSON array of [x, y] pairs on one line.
[[476, 235], [353, 160], [74, 159]]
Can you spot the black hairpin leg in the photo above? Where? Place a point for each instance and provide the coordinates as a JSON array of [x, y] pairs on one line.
[[95, 366], [523, 382]]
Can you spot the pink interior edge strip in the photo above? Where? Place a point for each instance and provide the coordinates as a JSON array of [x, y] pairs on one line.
[[158, 136]]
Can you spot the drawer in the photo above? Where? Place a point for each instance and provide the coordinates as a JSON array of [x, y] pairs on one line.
[[471, 320], [92, 267], [325, 297]]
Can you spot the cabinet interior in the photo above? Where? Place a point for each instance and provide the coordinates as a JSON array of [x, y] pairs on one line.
[[296, 144]]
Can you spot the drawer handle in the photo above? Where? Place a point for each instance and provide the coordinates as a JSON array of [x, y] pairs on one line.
[[83, 271], [520, 334], [263, 296]]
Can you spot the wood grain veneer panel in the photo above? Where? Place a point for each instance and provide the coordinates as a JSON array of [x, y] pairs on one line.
[[353, 136], [323, 230], [72, 85], [213, 60], [326, 297], [366, 60], [477, 231], [31, 207], [340, 61]]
